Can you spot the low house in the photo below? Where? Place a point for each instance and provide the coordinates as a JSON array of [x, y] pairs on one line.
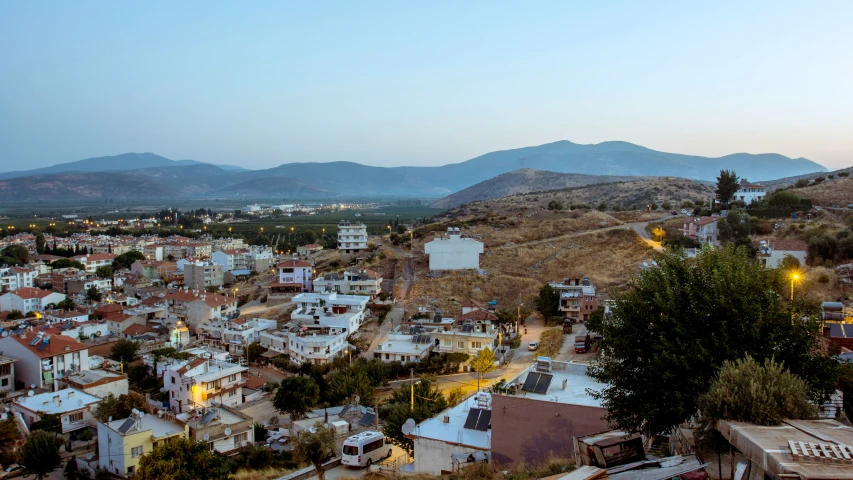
[[122, 442], [225, 430], [62, 316], [453, 251], [331, 310], [772, 253], [307, 250], [43, 359], [120, 322], [315, 344], [7, 374], [99, 383], [234, 336], [93, 261], [28, 299], [355, 281], [294, 276], [137, 331], [74, 408], [702, 229], [404, 348], [750, 192], [201, 382], [466, 337], [209, 306]]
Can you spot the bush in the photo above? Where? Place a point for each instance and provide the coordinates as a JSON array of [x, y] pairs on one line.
[[802, 183], [843, 174], [830, 176], [819, 180]]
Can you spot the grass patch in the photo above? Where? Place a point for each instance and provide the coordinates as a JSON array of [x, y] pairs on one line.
[[551, 342]]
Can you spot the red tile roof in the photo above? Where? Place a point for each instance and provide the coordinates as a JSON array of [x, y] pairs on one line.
[[109, 309], [471, 303], [29, 292], [137, 329], [191, 364], [56, 345], [117, 318], [704, 220], [479, 315], [293, 263]]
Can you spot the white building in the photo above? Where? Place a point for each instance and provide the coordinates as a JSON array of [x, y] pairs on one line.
[[99, 383], [702, 229], [466, 337], [352, 236], [28, 299], [13, 278], [771, 254], [453, 251], [93, 261], [293, 276], [577, 297], [199, 381], [74, 408], [7, 374], [404, 348], [123, 442], [750, 192], [43, 359], [234, 336], [356, 281], [330, 309], [308, 344], [257, 259], [224, 429], [437, 439]]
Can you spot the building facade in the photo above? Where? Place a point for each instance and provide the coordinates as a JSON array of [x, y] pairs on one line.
[[453, 251], [352, 237]]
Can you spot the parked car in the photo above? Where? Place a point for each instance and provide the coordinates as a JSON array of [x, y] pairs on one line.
[[684, 211], [13, 470], [533, 346], [582, 343], [674, 212], [850, 205]]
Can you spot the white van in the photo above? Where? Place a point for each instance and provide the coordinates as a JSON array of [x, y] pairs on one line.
[[364, 449]]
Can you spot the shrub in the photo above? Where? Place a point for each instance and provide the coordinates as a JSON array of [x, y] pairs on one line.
[[819, 180], [801, 183], [843, 174], [830, 176]]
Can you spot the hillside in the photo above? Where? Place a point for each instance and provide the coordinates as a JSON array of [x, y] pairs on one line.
[[837, 192], [784, 182], [355, 180], [523, 181], [623, 194]]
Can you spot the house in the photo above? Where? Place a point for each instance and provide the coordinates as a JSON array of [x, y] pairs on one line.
[[99, 383], [119, 322], [93, 261], [314, 344], [13, 278], [79, 330], [153, 269], [293, 276], [771, 253], [330, 309], [453, 251], [234, 336], [460, 430], [307, 250], [253, 259], [225, 430], [209, 306], [82, 284], [750, 192], [200, 381], [355, 281], [122, 442], [702, 229], [803, 449], [577, 297], [64, 316], [404, 348], [139, 331], [28, 299], [468, 336], [202, 275], [544, 407], [352, 237], [74, 408], [43, 359], [7, 374]]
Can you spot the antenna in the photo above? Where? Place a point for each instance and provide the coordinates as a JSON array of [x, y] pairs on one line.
[[31, 393], [227, 432], [206, 437], [408, 427]]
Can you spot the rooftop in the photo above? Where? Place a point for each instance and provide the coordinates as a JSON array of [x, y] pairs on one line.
[[158, 427], [92, 378], [454, 431], [405, 344], [48, 345], [63, 401], [28, 292], [568, 384], [293, 264]]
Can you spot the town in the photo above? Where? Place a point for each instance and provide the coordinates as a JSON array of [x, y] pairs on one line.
[[415, 348]]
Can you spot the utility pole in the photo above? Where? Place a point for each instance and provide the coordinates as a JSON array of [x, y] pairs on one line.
[[376, 414], [412, 381]]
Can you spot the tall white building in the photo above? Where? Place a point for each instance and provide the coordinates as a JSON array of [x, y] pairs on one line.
[[453, 251], [750, 192], [352, 236]]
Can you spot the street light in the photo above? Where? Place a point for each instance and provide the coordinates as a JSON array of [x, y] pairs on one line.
[[349, 352], [794, 277]]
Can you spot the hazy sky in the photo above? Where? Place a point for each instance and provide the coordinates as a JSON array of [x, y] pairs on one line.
[[420, 83]]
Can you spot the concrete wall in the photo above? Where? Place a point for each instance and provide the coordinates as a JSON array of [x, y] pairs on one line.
[[529, 430], [454, 253], [776, 257], [116, 388], [433, 456]]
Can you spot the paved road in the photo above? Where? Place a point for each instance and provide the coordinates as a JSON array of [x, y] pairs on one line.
[[344, 471]]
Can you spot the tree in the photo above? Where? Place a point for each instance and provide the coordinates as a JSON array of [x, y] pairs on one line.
[[548, 302], [93, 294], [790, 263], [105, 271], [429, 401], [666, 205], [86, 435], [15, 315], [71, 472], [40, 454], [66, 304], [66, 263], [672, 330], [40, 243], [48, 423], [125, 351], [483, 362], [120, 407], [727, 185], [345, 383], [296, 395], [125, 260], [182, 459], [843, 174], [746, 391], [314, 448]]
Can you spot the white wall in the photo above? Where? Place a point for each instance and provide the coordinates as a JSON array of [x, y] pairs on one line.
[[454, 253]]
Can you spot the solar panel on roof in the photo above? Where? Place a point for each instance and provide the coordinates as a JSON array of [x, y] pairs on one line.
[[42, 346], [531, 381], [35, 341], [473, 416], [345, 409], [544, 383], [126, 426], [208, 417], [367, 419], [484, 420]]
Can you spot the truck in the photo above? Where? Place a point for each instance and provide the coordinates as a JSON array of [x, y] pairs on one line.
[[581, 343]]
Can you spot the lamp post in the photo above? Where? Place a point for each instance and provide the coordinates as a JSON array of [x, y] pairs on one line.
[[794, 278], [349, 352]]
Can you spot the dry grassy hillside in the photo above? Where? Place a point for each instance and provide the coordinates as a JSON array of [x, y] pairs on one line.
[[831, 192]]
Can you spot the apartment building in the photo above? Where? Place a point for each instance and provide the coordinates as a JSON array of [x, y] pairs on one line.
[[224, 429], [330, 309], [293, 276], [702, 229], [43, 359], [7, 374], [466, 337], [95, 260], [578, 298], [13, 278], [355, 281], [123, 442], [234, 336], [198, 382], [74, 408], [750, 192], [352, 236], [254, 259], [315, 344], [28, 299], [202, 275]]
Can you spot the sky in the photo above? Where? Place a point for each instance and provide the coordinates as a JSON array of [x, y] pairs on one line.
[[258, 84]]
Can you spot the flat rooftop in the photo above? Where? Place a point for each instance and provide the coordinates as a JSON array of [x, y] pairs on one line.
[[159, 427], [454, 430], [568, 384], [63, 401]]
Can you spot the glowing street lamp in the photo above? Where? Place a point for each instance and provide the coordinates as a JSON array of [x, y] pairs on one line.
[[794, 277]]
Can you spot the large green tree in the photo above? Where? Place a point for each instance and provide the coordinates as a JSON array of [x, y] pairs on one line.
[[125, 350], [548, 302], [314, 448], [182, 459], [296, 396], [125, 260], [747, 391], [120, 407], [15, 255], [40, 454], [672, 330], [428, 401], [727, 185]]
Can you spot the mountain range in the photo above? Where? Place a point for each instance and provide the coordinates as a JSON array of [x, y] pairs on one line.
[[142, 176]]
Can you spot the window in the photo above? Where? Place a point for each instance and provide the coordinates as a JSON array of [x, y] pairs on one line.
[[476, 345], [242, 437], [75, 417], [210, 385], [136, 451], [350, 450], [173, 379], [6, 369], [232, 378], [232, 393], [460, 344], [374, 445], [4, 382]]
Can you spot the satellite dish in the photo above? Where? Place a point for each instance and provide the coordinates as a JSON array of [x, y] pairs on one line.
[[141, 415], [31, 393], [408, 427], [110, 419], [5, 334], [227, 431], [206, 437], [32, 385], [89, 457], [4, 416], [79, 401], [135, 411]]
